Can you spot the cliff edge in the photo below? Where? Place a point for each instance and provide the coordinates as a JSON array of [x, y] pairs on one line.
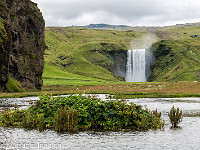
[[21, 44]]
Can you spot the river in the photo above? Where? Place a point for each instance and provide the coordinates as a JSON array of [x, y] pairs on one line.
[[184, 138]]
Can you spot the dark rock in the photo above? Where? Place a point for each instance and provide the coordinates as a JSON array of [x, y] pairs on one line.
[[118, 62], [24, 59], [119, 65]]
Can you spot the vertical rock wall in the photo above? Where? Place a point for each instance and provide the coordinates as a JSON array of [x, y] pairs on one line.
[[26, 27], [5, 44]]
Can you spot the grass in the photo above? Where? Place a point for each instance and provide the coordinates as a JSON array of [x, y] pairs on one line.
[[177, 55], [81, 56], [121, 90], [77, 56], [3, 34], [53, 76]]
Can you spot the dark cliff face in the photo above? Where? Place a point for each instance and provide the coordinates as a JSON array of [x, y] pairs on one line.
[[5, 44], [26, 27], [119, 65]]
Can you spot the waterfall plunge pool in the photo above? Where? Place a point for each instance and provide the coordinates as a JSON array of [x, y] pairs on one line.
[[187, 137]]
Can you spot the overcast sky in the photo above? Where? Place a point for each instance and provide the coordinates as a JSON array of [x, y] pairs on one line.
[[127, 12]]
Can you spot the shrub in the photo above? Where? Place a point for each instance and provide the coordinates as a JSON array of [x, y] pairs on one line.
[[175, 116]]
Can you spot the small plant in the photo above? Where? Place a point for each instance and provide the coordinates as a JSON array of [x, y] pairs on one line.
[[156, 113], [156, 123], [33, 121], [65, 120], [175, 116]]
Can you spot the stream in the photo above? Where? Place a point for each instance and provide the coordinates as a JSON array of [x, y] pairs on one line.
[[184, 138]]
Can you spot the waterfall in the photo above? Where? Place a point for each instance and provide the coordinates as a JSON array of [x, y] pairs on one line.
[[138, 65]]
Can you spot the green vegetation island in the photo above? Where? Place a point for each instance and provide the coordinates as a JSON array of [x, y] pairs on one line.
[[74, 113]]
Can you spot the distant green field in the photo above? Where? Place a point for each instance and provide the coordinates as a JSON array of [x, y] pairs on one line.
[[81, 56]]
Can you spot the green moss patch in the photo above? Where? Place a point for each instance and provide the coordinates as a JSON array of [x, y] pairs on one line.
[[3, 34], [14, 86]]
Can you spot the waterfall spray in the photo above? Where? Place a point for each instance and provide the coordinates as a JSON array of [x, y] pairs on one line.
[[140, 58]]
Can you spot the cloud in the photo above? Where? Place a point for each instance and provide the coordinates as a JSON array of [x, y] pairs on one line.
[[130, 12]]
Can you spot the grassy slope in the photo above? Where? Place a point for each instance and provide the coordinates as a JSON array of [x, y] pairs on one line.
[[178, 55], [78, 56]]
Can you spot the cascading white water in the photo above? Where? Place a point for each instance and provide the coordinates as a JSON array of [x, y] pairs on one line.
[[138, 65], [135, 66]]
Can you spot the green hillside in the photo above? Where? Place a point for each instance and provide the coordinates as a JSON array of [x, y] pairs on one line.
[[178, 54], [77, 56], [83, 56]]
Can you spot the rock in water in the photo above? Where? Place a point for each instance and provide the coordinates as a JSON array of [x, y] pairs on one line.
[[21, 43]]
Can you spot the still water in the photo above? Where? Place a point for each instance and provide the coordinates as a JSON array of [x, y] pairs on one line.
[[185, 138]]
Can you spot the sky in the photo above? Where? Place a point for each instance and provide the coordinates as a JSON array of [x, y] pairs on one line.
[[119, 12]]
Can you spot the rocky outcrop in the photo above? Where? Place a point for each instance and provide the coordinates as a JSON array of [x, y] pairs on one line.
[[24, 53]]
